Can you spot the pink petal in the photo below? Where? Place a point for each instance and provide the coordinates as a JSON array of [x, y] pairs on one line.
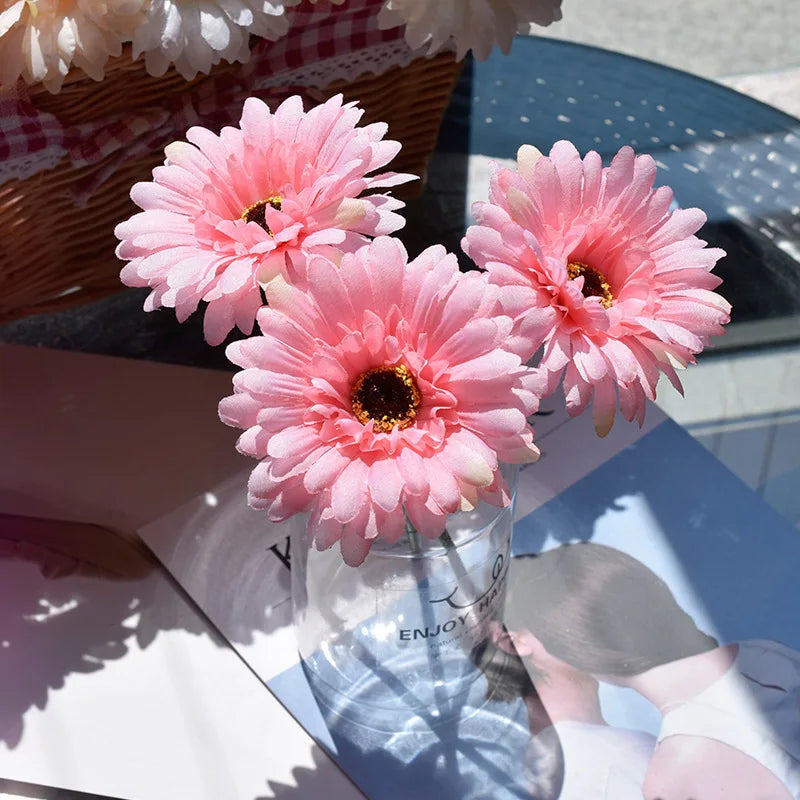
[[291, 499], [240, 410], [576, 391], [323, 528], [466, 464], [218, 321], [385, 484], [325, 471], [485, 367], [413, 473], [444, 487], [426, 517], [604, 404], [260, 482], [391, 525], [494, 422], [354, 546], [298, 439], [349, 492]]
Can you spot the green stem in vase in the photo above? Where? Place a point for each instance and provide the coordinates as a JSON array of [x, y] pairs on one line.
[[448, 540], [418, 567], [412, 534]]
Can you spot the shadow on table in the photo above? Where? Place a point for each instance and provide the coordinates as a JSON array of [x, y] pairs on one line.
[[118, 326], [760, 280], [73, 597], [494, 739], [314, 781]]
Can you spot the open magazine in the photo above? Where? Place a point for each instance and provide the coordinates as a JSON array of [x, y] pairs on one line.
[[651, 644]]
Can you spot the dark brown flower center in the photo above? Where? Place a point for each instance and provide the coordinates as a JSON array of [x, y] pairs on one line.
[[255, 213], [594, 282], [389, 396]]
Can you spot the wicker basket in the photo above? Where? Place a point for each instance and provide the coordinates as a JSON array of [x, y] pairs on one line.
[[55, 254]]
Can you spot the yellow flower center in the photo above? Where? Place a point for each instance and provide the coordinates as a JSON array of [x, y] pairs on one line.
[[594, 282], [389, 396], [255, 213]]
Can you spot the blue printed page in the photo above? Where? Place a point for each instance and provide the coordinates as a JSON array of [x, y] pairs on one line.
[[655, 606]]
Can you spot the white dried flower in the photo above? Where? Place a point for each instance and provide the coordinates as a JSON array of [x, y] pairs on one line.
[[41, 39], [196, 34], [476, 25]]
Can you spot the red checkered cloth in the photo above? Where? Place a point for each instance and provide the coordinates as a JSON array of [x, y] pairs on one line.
[[320, 32], [31, 141]]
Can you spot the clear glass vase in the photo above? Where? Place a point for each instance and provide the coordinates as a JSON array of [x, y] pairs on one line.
[[407, 633]]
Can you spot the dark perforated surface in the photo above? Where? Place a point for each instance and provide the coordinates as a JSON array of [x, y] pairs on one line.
[[728, 154]]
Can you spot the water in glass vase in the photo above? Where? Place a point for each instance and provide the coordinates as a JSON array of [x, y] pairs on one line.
[[407, 634]]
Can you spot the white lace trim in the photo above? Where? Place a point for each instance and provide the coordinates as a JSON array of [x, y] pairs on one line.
[[18, 169], [374, 60]]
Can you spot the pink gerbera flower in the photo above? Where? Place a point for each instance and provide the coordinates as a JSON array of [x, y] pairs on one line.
[[595, 267], [227, 213], [383, 386]]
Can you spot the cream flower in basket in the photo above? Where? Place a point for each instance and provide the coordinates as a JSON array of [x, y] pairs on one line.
[[476, 25], [194, 36], [41, 39]]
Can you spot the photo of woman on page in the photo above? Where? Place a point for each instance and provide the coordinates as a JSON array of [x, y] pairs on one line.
[[594, 759], [584, 614]]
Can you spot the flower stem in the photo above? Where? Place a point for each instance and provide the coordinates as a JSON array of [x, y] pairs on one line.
[[448, 540], [412, 534]]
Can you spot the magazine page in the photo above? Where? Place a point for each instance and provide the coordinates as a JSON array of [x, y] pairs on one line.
[[654, 606]]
